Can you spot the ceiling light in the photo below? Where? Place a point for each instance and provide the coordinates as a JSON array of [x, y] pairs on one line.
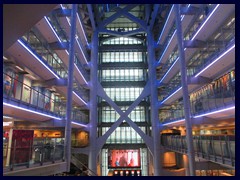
[[19, 68], [6, 123], [7, 117]]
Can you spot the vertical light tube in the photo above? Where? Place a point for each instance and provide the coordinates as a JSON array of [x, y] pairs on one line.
[[154, 109], [68, 129], [92, 159], [186, 100]]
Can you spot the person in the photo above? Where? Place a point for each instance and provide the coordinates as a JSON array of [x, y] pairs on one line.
[[131, 164], [123, 161], [117, 162]]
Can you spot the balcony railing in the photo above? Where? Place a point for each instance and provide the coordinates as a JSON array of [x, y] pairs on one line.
[[16, 90], [36, 152], [220, 149]]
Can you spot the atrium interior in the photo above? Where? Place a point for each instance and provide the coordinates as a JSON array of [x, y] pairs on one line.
[[119, 90]]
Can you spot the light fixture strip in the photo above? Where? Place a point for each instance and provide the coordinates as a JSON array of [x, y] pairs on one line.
[[80, 98], [80, 73], [205, 22], [82, 51], [84, 125], [52, 29], [28, 110], [205, 114], [167, 47], [215, 60], [34, 55], [82, 29], [171, 95], [165, 24], [169, 70]]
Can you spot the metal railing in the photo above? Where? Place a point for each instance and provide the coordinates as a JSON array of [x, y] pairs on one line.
[[37, 97], [80, 165], [220, 149], [35, 152]]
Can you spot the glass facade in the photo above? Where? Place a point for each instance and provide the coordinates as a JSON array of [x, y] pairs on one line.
[[110, 76]]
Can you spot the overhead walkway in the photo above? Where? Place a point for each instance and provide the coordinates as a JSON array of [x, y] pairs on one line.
[[218, 149]]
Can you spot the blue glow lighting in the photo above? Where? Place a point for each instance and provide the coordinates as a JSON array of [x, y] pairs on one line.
[[177, 121], [80, 98], [165, 24], [182, 16], [62, 6], [205, 22], [171, 95], [167, 46], [35, 112], [82, 51], [82, 29], [52, 29], [222, 110], [68, 20], [84, 125], [215, 60], [169, 70], [37, 58], [80, 73]]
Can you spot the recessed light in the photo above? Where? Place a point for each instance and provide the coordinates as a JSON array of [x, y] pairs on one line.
[[5, 58]]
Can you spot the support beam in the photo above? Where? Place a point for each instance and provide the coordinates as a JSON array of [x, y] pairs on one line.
[[124, 116], [194, 44], [154, 15], [129, 48], [147, 12], [62, 12], [91, 16], [133, 18], [121, 33], [186, 100], [154, 110], [59, 45], [68, 129], [116, 15], [189, 10], [93, 149]]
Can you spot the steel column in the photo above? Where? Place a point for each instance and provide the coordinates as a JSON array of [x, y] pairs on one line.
[[154, 109], [68, 129], [186, 101], [92, 160]]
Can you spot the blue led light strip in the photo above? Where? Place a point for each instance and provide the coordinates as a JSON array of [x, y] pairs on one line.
[[171, 95], [226, 109], [205, 22], [52, 29], [34, 55], [84, 125], [215, 60], [82, 29], [80, 98], [80, 73], [35, 112], [205, 114], [82, 51]]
